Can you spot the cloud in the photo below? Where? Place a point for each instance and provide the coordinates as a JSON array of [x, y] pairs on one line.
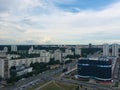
[[42, 22]]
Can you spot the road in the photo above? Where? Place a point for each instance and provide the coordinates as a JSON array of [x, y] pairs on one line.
[[44, 85], [70, 81], [94, 86], [40, 78]]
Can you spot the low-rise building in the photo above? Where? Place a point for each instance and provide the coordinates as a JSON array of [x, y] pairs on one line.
[[21, 70]]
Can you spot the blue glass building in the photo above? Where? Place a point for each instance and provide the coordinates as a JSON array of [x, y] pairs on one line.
[[95, 69]]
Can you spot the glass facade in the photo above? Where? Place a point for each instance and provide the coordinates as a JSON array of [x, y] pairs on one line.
[[99, 70]]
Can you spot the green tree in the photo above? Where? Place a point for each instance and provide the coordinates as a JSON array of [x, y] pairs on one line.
[[13, 71], [77, 88]]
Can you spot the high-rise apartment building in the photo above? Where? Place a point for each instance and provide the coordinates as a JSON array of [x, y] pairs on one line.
[[77, 51], [115, 50], [13, 48], [106, 50], [4, 71], [58, 55]]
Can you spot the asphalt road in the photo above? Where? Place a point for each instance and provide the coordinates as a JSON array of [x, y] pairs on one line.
[[40, 78], [94, 86]]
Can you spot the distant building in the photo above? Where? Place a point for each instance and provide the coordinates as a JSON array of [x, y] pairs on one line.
[[115, 50], [90, 45], [5, 49], [68, 52], [3, 54], [77, 51], [45, 55], [30, 51], [14, 48], [4, 68], [106, 50], [58, 55]]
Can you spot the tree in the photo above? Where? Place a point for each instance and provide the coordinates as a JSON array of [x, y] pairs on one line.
[[68, 61], [13, 71], [77, 88], [86, 51], [52, 61], [81, 85], [70, 56], [39, 67]]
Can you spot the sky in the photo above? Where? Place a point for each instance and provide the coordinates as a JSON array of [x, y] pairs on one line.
[[59, 21]]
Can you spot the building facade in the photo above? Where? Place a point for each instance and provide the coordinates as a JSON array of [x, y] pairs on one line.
[[95, 69], [4, 68], [58, 55], [115, 50], [77, 51], [14, 48], [106, 50]]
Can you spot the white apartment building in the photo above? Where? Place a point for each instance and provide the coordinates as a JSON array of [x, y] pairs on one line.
[[6, 64], [115, 50], [77, 51], [106, 50], [68, 52], [28, 61], [114, 47], [4, 71], [2, 54], [58, 55], [44, 53], [30, 51], [13, 48]]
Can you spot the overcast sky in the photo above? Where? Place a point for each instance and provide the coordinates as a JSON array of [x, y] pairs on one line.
[[59, 21]]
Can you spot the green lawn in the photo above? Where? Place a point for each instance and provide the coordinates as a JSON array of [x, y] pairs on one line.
[[67, 86], [59, 86], [51, 86]]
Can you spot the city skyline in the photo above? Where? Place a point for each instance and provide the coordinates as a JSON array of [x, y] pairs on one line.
[[59, 22]]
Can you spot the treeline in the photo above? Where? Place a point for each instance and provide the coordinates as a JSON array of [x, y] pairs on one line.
[[86, 51]]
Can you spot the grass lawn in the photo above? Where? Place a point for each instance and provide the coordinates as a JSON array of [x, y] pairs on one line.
[[51, 86], [59, 86], [67, 86]]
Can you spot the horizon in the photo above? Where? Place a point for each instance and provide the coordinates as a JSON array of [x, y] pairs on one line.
[[54, 22]]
